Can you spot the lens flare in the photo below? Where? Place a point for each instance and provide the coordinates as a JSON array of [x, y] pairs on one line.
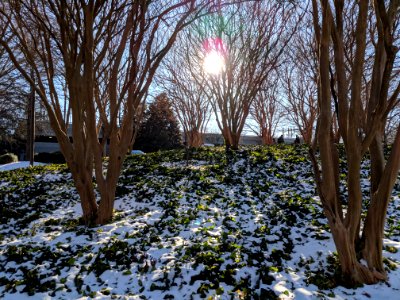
[[214, 62], [214, 56]]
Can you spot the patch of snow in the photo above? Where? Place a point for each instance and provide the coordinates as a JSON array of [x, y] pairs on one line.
[[19, 165]]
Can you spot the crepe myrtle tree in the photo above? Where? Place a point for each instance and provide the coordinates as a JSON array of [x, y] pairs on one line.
[[361, 121], [236, 50], [106, 53], [300, 79], [267, 110], [190, 103], [301, 106]]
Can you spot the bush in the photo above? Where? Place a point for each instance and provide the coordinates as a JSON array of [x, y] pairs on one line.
[[8, 158], [50, 158], [11, 143], [160, 128]]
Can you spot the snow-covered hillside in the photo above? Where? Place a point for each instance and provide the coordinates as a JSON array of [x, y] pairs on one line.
[[247, 226]]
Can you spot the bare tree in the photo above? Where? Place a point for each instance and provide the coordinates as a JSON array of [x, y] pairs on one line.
[[300, 81], [301, 104], [361, 120], [107, 53], [267, 110], [12, 93], [189, 99], [250, 39]]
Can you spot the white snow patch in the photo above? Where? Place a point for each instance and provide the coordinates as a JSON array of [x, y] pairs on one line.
[[19, 165]]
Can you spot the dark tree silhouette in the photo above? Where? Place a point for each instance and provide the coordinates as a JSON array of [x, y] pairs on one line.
[[160, 129]]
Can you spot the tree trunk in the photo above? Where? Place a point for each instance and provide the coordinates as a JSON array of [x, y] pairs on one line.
[[377, 162], [357, 137], [371, 242], [343, 232], [81, 171], [227, 138], [307, 135], [373, 232], [106, 206], [31, 124], [195, 139], [266, 137], [235, 141], [107, 190], [84, 186], [373, 236], [353, 271]]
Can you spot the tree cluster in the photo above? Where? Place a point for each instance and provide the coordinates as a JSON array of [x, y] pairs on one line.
[[329, 67]]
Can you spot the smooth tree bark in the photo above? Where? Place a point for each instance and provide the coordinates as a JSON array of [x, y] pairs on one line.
[[107, 53], [361, 119]]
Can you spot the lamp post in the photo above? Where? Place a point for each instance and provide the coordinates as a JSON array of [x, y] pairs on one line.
[[30, 141]]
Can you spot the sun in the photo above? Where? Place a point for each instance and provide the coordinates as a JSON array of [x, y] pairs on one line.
[[214, 63]]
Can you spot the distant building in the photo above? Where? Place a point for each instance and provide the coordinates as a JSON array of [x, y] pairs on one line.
[[46, 140]]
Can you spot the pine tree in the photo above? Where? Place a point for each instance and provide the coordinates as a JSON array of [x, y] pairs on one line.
[[160, 129]]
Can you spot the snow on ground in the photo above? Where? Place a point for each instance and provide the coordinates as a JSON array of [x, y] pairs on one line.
[[247, 226], [18, 165]]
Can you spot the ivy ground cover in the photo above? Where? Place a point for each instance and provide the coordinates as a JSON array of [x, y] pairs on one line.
[[196, 225]]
